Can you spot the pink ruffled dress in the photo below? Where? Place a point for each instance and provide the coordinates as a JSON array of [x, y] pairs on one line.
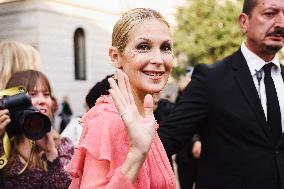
[[103, 148]]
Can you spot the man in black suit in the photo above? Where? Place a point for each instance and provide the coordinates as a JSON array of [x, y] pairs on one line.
[[240, 120]]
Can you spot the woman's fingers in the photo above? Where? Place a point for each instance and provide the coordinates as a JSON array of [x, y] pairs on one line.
[[122, 84], [128, 88], [4, 120], [148, 106], [116, 95], [121, 93]]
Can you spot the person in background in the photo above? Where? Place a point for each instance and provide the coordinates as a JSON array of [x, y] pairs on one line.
[[16, 56], [54, 108], [187, 158], [109, 154], [65, 113], [100, 88], [163, 109], [34, 164], [74, 129]]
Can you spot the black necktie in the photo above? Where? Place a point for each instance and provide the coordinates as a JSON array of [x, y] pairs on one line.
[[273, 109]]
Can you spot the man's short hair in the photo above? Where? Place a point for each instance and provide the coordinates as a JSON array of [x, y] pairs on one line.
[[249, 5]]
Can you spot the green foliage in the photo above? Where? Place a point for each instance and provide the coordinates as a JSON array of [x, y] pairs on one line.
[[206, 31]]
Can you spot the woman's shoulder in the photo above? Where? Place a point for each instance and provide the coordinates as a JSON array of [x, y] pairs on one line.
[[104, 107], [103, 128]]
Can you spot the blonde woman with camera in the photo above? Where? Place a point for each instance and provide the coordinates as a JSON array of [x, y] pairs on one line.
[[39, 163]]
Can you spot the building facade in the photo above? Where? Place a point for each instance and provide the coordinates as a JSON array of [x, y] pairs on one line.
[[72, 37]]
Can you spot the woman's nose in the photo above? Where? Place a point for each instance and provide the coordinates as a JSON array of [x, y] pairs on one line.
[[156, 57], [39, 99]]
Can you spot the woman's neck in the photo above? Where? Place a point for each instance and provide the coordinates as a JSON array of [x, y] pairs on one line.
[[23, 147]]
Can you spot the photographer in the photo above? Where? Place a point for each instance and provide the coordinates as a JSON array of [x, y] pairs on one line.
[[39, 163]]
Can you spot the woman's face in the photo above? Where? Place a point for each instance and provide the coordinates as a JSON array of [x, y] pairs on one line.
[[148, 58], [41, 99]]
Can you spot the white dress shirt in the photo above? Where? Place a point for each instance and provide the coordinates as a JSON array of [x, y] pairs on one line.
[[255, 63]]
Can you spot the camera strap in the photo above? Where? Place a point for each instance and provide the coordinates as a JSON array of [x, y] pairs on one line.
[[6, 141], [7, 150], [13, 91], [32, 144]]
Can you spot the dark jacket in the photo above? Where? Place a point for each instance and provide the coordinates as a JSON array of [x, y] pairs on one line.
[[237, 148]]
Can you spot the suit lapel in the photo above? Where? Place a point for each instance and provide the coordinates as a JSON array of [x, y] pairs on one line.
[[245, 81], [282, 71], [281, 141]]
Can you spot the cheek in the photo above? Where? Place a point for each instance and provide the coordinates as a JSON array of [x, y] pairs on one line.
[[49, 107], [132, 53], [168, 60], [49, 103], [135, 61], [132, 60], [34, 101]]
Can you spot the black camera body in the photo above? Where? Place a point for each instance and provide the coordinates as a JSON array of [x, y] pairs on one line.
[[25, 118]]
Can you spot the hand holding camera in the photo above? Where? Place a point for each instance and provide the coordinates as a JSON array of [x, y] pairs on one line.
[[4, 120], [47, 144], [24, 118]]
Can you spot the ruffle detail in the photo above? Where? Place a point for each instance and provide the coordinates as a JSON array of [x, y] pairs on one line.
[[105, 102], [105, 138], [101, 125], [76, 165]]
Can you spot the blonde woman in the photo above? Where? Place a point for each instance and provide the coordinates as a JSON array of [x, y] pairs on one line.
[[16, 56], [110, 154]]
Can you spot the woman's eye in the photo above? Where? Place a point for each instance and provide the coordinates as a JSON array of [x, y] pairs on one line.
[[47, 94], [166, 47], [143, 47], [32, 94]]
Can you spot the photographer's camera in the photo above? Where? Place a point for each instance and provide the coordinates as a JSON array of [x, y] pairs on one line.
[[25, 118]]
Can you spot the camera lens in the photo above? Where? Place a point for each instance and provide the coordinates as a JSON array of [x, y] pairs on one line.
[[35, 125]]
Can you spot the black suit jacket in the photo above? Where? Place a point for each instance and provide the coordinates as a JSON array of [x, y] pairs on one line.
[[237, 149]]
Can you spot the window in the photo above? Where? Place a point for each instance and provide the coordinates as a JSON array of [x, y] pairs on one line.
[[79, 53]]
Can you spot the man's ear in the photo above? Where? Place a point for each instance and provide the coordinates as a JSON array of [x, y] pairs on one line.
[[244, 22], [114, 55]]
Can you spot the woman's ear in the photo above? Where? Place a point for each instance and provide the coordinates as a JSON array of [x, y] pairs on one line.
[[244, 21], [114, 55]]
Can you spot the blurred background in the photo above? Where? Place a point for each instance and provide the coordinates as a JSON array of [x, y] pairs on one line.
[[73, 37]]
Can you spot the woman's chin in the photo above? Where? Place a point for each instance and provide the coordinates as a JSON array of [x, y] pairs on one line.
[[156, 89]]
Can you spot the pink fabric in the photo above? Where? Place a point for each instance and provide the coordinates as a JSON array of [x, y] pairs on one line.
[[103, 148]]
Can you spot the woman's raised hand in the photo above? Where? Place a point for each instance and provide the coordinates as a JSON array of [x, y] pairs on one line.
[[140, 127], [4, 120], [47, 144]]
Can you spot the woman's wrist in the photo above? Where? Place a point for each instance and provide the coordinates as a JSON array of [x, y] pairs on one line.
[[133, 162], [51, 154], [137, 154]]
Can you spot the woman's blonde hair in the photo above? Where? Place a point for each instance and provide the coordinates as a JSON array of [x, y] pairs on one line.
[[16, 56], [128, 20]]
